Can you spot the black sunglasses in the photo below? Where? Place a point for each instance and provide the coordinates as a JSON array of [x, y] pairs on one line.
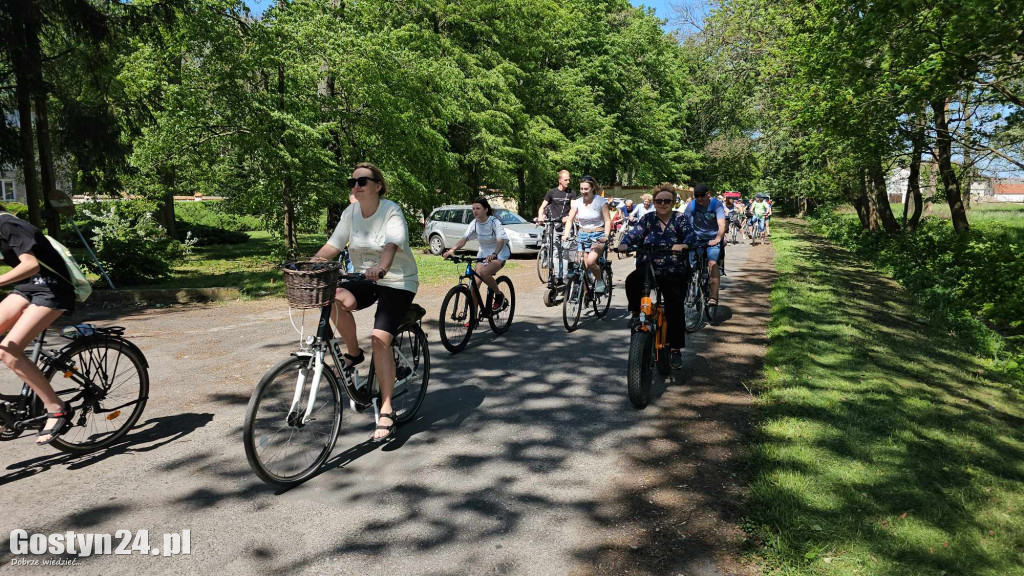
[[663, 201], [362, 180]]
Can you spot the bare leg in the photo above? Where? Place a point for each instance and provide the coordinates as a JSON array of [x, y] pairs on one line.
[[384, 364], [341, 311], [33, 320], [487, 272]]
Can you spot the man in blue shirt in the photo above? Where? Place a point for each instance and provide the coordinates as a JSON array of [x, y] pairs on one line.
[[707, 218]]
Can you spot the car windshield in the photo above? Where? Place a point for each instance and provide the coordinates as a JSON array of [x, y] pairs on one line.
[[508, 217]]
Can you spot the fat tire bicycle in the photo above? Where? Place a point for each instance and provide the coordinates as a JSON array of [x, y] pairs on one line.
[[294, 416], [648, 341], [459, 315], [699, 290], [580, 289], [99, 373]]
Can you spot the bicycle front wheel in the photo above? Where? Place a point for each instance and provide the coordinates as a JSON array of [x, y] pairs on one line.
[[101, 417], [603, 302], [572, 306], [501, 320], [639, 369], [458, 318], [283, 447], [694, 306]]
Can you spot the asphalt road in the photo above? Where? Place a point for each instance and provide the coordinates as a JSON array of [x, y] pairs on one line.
[[511, 467]]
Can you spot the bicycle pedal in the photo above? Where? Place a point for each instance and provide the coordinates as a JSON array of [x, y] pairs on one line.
[[359, 408]]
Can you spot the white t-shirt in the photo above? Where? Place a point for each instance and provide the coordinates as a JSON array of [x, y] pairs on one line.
[[589, 215], [487, 234], [366, 237]]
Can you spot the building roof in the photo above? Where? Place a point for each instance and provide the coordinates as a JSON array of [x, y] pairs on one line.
[[1008, 188]]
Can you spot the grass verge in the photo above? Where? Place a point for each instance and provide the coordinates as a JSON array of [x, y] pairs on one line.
[[883, 447], [250, 266]]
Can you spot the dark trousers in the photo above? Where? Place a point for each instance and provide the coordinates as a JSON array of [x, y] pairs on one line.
[[673, 290]]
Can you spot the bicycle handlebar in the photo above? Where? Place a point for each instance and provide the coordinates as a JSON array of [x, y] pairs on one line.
[[655, 249], [464, 259]]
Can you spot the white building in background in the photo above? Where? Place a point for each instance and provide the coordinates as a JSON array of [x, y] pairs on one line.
[[982, 190]]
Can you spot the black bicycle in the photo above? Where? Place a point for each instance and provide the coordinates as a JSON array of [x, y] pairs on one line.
[[735, 228], [580, 288], [294, 415], [459, 313], [648, 342], [100, 374], [699, 290]]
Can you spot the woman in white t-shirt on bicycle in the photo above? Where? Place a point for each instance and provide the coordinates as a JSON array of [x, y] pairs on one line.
[[489, 233], [595, 226], [374, 231]]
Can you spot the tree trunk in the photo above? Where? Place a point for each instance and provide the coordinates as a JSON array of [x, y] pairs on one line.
[[950, 183], [34, 59], [881, 198], [23, 89], [868, 199], [525, 206], [860, 204], [965, 193], [914, 178], [335, 208], [291, 239]]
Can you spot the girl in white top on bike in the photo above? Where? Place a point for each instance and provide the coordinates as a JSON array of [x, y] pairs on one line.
[[595, 227], [488, 231]]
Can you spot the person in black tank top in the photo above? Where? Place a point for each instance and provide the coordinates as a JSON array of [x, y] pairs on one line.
[[39, 297]]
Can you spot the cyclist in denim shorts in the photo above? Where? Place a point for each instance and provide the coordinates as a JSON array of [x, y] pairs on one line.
[[595, 222], [707, 217]]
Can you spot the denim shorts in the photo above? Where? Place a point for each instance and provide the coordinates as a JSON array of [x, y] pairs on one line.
[[713, 252], [587, 239]]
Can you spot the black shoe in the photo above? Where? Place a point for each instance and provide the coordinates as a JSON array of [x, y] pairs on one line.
[[677, 360]]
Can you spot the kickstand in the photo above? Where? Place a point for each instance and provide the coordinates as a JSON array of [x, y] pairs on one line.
[[376, 413]]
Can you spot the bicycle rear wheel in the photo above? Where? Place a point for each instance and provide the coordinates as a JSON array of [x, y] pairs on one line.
[[639, 368], [603, 302], [457, 319], [501, 320], [281, 449], [119, 370], [572, 305], [412, 372]]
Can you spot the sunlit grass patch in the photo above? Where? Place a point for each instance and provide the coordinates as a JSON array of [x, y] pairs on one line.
[[884, 448]]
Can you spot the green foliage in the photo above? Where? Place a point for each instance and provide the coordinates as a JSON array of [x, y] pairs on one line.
[[132, 247], [214, 215], [882, 448], [17, 208], [959, 278]]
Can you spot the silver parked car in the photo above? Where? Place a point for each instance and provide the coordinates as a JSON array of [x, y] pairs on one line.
[[446, 224]]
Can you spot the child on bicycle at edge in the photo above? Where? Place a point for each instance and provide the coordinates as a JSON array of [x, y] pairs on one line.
[[375, 233], [42, 293], [493, 241]]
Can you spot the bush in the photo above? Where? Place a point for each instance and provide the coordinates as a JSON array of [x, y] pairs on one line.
[[212, 215], [960, 279], [204, 235], [17, 208], [133, 247]]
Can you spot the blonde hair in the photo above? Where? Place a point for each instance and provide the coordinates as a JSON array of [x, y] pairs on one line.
[[646, 197]]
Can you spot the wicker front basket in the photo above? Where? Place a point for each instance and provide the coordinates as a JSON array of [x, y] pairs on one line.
[[310, 284]]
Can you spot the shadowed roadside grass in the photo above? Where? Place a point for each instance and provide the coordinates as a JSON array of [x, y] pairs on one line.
[[883, 448]]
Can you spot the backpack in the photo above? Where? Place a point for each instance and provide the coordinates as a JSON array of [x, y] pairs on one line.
[[78, 281], [82, 287]]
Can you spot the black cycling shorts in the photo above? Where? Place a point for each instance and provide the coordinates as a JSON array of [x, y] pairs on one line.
[[48, 299], [392, 304]]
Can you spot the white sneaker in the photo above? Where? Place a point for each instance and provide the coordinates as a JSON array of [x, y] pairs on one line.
[[599, 287]]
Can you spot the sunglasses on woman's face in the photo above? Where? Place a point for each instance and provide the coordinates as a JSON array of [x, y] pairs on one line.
[[361, 181], [663, 201]]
